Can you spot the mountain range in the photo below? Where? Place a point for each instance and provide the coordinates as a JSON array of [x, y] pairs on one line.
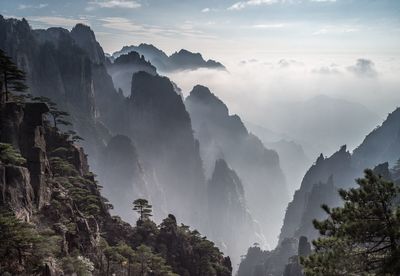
[[192, 159], [144, 140], [178, 61], [379, 150]]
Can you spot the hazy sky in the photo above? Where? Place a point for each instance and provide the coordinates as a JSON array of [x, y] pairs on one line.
[[278, 52], [224, 28]]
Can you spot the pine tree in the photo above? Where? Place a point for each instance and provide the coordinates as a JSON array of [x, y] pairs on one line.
[[363, 236], [143, 207], [58, 116], [21, 246], [12, 79]]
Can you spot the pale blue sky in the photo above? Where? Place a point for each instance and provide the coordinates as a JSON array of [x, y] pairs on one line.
[[224, 28], [278, 52]]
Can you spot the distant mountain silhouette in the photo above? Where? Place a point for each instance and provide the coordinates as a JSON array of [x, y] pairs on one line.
[[381, 145], [182, 60], [231, 225], [124, 66], [339, 170], [222, 135]]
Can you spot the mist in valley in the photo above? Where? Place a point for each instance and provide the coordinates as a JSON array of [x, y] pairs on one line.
[[231, 140]]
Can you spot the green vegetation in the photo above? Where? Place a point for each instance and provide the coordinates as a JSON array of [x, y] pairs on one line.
[[9, 156], [80, 265], [12, 80], [122, 259], [23, 248], [58, 116], [363, 236], [62, 167], [64, 233]]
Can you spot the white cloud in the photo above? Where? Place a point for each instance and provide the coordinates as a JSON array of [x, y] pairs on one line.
[[127, 4], [24, 6], [336, 30], [243, 4], [57, 21], [206, 10], [268, 26], [122, 24], [126, 26]]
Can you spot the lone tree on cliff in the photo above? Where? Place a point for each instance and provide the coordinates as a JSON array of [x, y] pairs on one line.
[[143, 208], [12, 79], [58, 116]]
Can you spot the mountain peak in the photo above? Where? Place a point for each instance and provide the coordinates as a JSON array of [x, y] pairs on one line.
[[202, 95], [82, 28], [147, 85], [180, 60], [221, 165], [84, 36], [132, 58], [201, 91], [187, 52]]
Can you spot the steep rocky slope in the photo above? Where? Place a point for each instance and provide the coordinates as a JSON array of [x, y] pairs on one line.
[[337, 166], [258, 262], [230, 223], [155, 117], [50, 187], [381, 145], [67, 67], [222, 135], [321, 182]]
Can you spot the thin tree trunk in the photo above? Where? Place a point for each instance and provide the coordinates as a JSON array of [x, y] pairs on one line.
[[108, 266], [5, 86]]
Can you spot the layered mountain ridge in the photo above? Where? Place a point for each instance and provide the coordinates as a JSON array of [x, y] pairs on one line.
[[379, 150], [182, 60], [222, 135], [55, 221]]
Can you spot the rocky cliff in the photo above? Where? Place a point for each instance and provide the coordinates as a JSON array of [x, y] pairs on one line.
[[67, 67], [41, 189], [381, 145], [230, 223], [158, 123], [46, 183], [337, 166], [222, 135]]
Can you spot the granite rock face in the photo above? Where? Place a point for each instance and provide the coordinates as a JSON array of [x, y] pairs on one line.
[[23, 128], [158, 123], [55, 191], [16, 190], [31, 189]]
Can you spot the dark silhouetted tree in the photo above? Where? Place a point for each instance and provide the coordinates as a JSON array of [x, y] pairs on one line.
[[143, 208], [58, 116], [12, 79]]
